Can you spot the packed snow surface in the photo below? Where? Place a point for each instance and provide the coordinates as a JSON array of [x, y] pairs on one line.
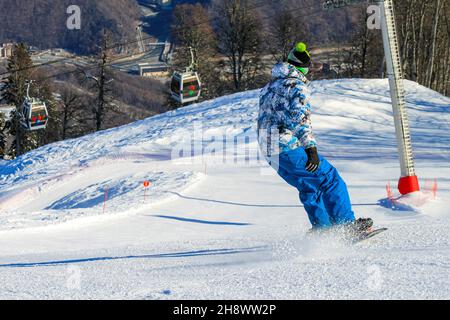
[[216, 222]]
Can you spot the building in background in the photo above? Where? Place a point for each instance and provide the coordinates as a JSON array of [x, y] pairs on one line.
[[148, 70], [6, 50]]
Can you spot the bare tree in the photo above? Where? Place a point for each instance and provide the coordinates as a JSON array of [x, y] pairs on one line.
[[102, 83], [425, 35], [192, 29], [366, 55], [239, 32], [72, 114], [434, 37], [285, 30]]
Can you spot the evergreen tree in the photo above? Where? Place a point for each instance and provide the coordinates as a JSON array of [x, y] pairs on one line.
[[2, 135], [19, 67], [21, 71]]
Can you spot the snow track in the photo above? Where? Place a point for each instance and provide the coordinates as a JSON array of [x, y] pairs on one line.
[[210, 228]]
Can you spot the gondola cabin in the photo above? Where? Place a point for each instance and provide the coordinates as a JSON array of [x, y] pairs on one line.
[[185, 87], [35, 115]]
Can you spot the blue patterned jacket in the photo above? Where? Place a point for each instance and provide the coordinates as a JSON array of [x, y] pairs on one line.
[[284, 121]]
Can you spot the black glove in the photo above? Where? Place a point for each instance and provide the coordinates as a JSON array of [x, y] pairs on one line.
[[313, 160]]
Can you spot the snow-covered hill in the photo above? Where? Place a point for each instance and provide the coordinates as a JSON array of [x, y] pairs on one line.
[[216, 222]]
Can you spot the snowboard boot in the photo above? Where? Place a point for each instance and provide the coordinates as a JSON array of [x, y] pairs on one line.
[[356, 229], [348, 231], [363, 224]]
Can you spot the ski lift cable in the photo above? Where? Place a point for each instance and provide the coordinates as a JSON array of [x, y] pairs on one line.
[[117, 45], [83, 70], [28, 88], [134, 41], [111, 62], [192, 66], [95, 66]]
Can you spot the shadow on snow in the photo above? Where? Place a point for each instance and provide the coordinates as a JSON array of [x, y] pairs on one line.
[[256, 205], [147, 256], [203, 221]]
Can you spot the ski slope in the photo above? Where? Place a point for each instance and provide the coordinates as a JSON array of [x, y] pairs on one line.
[[217, 222]]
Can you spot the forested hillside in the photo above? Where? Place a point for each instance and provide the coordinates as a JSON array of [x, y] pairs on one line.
[[42, 23]]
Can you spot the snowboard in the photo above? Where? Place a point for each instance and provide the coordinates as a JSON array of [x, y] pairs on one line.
[[369, 234]]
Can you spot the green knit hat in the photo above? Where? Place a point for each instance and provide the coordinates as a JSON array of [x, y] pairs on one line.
[[300, 58]]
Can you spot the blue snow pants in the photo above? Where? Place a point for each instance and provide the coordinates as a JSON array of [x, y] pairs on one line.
[[323, 193]]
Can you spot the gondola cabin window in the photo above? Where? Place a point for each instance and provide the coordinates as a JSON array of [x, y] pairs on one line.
[[191, 88], [175, 86], [38, 116]]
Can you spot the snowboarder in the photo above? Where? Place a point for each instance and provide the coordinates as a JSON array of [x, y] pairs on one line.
[[286, 139]]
